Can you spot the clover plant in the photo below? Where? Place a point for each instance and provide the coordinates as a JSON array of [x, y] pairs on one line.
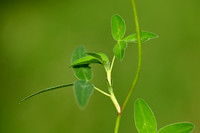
[[83, 87]]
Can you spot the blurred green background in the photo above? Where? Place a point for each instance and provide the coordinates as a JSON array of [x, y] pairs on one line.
[[37, 38]]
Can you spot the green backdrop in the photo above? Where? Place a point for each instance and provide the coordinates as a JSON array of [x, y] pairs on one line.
[[37, 39]]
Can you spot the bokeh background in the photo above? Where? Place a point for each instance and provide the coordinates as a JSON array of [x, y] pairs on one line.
[[37, 38]]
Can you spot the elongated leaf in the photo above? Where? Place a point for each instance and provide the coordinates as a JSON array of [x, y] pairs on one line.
[[45, 90], [118, 27], [82, 72], [145, 36], [83, 91], [144, 118], [85, 61], [177, 128], [119, 49], [102, 58]]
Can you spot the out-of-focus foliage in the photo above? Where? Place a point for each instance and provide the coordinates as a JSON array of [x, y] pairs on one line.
[[37, 39]]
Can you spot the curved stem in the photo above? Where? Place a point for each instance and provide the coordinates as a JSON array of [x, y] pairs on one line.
[[138, 67], [139, 56]]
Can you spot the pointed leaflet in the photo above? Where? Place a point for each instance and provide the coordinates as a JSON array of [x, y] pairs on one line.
[[45, 90], [145, 36], [119, 49], [83, 90], [144, 118], [85, 61], [82, 72], [177, 128], [102, 58], [118, 27]]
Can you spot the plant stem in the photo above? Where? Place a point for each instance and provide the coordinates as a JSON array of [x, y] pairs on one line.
[[139, 56], [138, 67], [117, 123], [99, 90], [113, 60]]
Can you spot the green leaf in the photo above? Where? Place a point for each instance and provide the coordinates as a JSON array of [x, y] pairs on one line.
[[102, 58], [119, 49], [45, 90], [83, 91], [177, 128], [85, 61], [118, 27], [82, 72], [145, 36], [144, 118]]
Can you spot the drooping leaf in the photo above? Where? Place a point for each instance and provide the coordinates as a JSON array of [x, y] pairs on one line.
[[119, 49], [145, 36], [85, 61], [102, 58], [45, 90], [118, 27], [83, 91], [82, 72], [177, 128], [144, 118]]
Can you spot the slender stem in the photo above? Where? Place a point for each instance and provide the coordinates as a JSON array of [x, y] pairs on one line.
[[139, 56], [113, 60], [138, 67], [99, 90], [117, 123]]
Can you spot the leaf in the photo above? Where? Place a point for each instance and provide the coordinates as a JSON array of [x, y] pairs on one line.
[[85, 61], [102, 58], [119, 49], [45, 90], [82, 72], [144, 118], [177, 128], [83, 91], [118, 27], [145, 36]]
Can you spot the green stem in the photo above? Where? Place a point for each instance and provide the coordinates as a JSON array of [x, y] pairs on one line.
[[139, 56], [138, 66], [117, 123], [99, 90], [112, 63]]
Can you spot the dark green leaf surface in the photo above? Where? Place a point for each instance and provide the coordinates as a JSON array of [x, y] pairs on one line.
[[119, 49], [85, 61], [118, 27], [144, 118], [83, 91], [177, 128], [102, 58], [82, 72], [145, 36], [45, 90]]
